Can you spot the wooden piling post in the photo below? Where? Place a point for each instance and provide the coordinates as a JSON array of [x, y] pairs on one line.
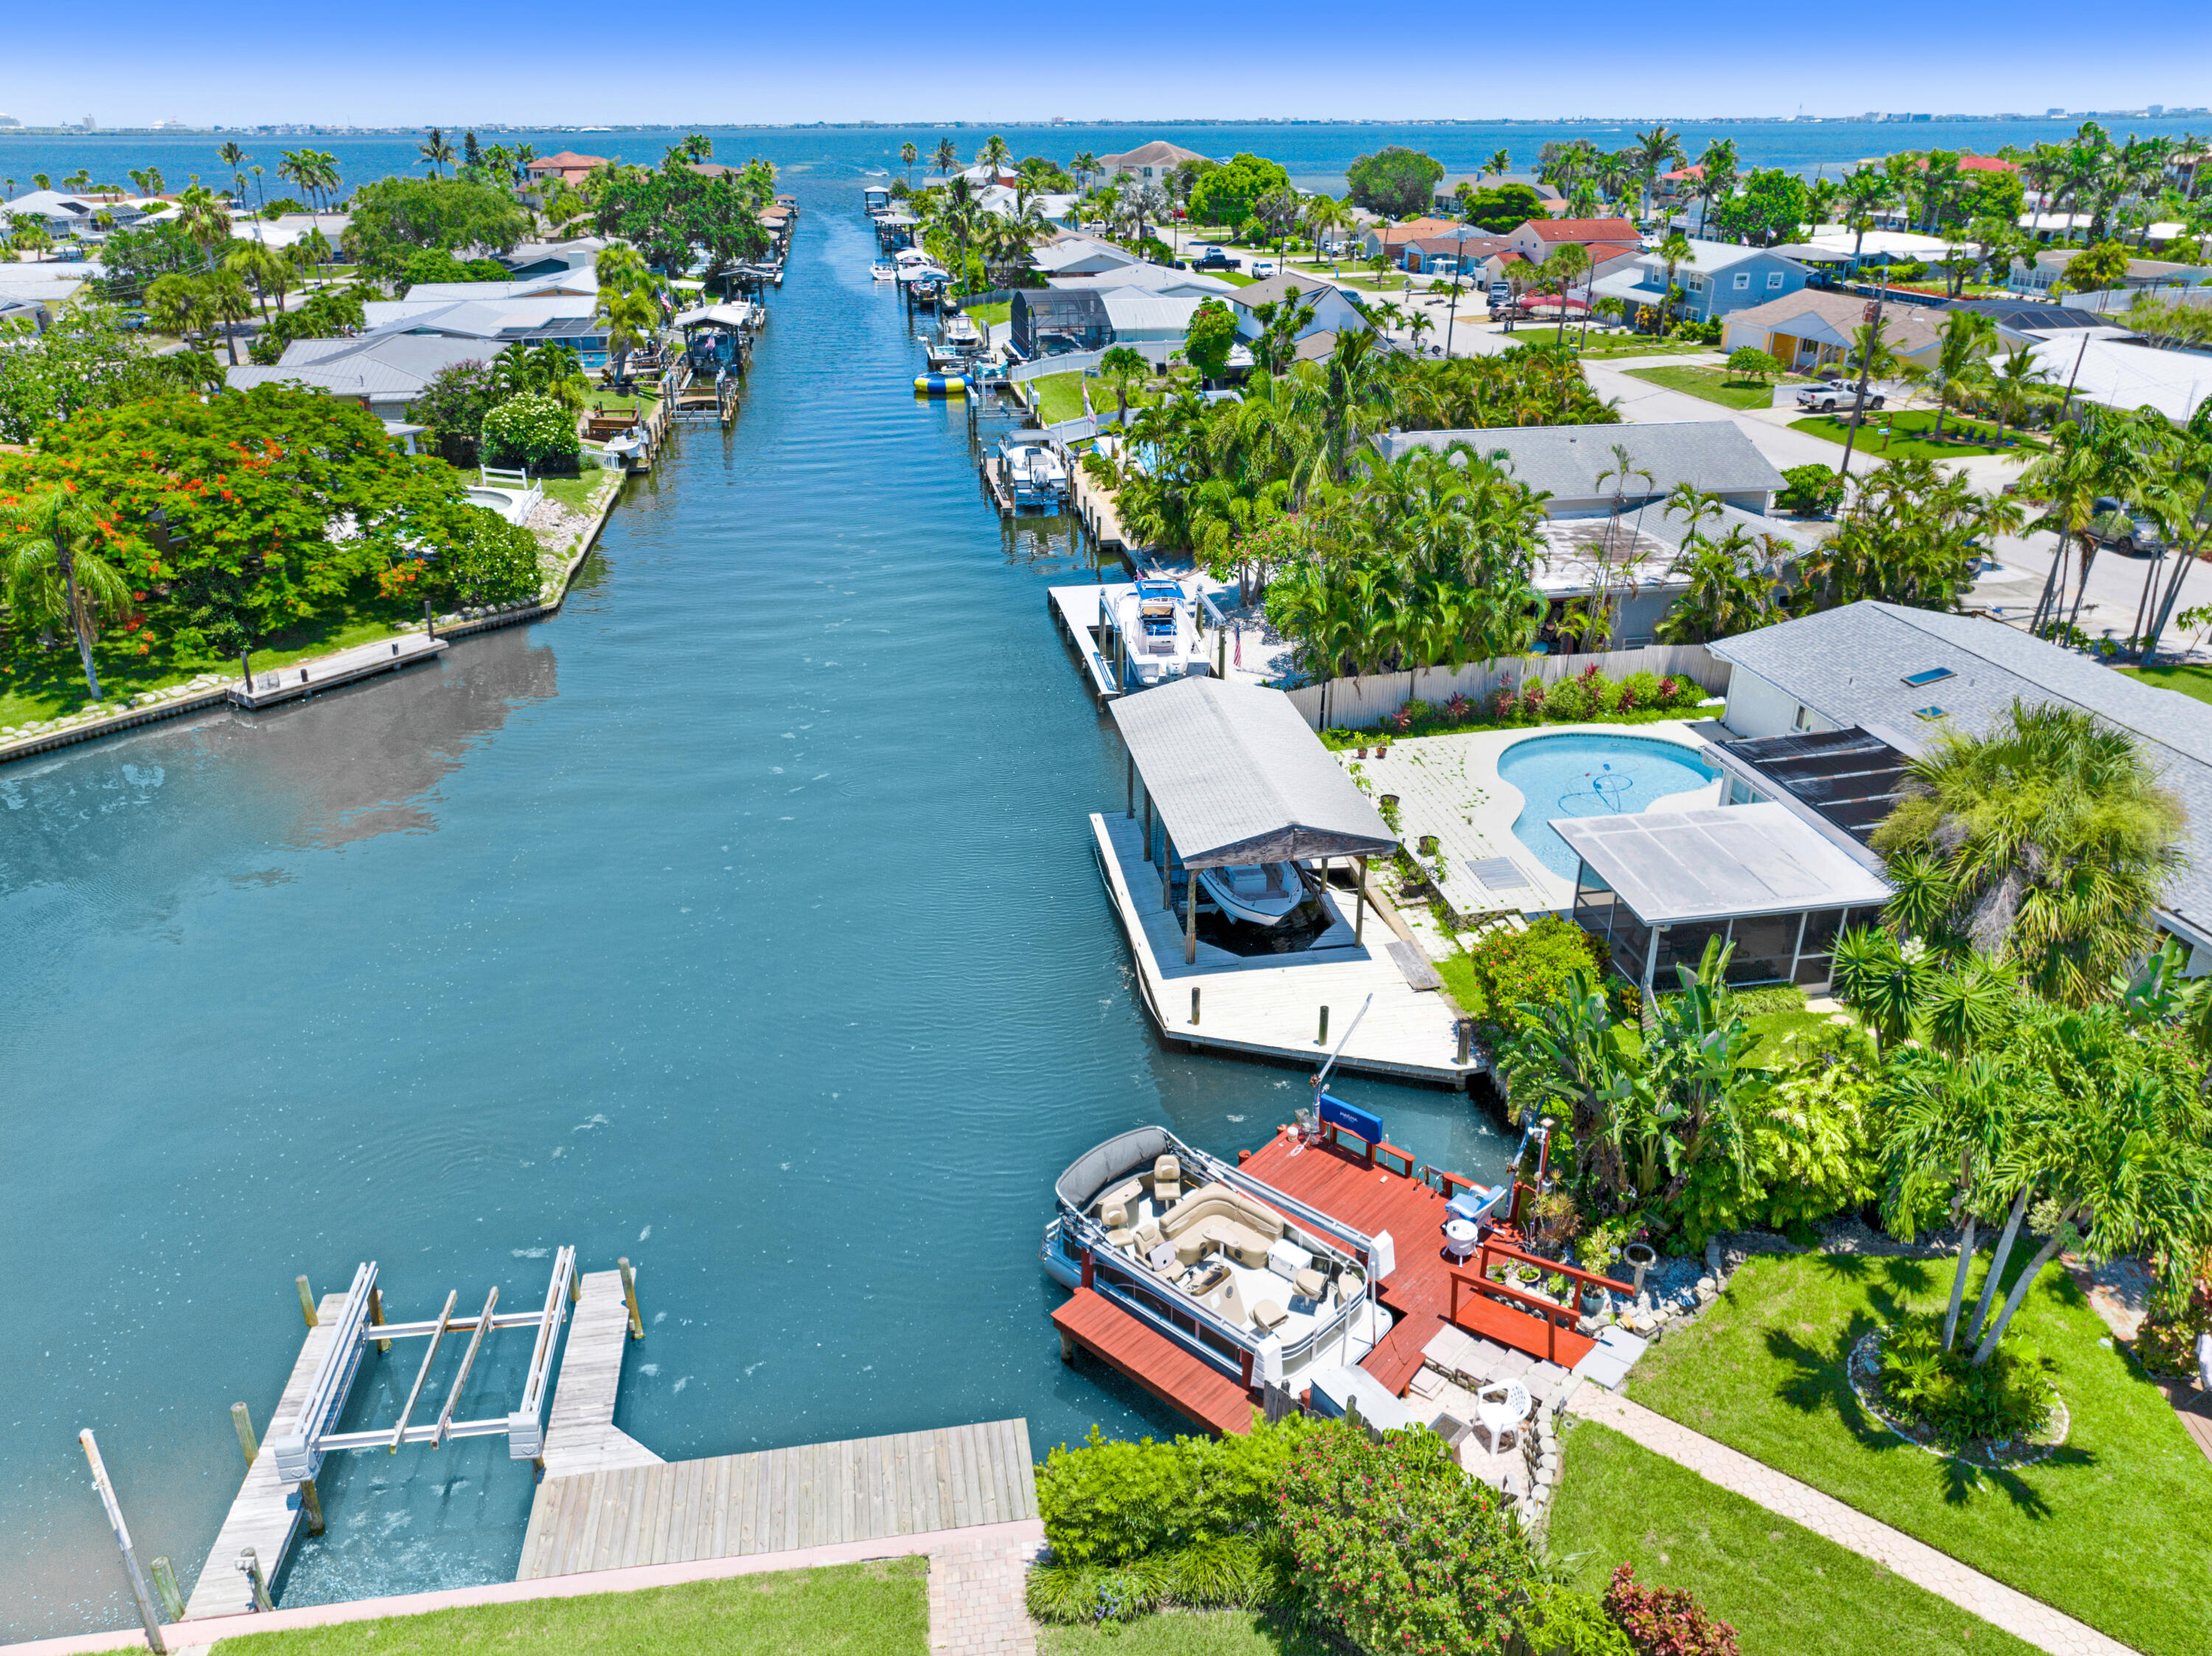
[[575, 1288], [306, 1301], [1190, 918], [376, 1314], [249, 1565], [629, 1297], [1320, 1038], [242, 1418], [1193, 1003], [1359, 908], [165, 1584], [139, 1588], [312, 1504], [1066, 1347]]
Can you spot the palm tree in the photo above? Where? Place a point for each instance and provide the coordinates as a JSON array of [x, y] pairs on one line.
[[633, 318], [947, 157], [52, 573], [1085, 168], [994, 154], [1673, 252], [235, 158], [2011, 386], [1654, 151], [1569, 262], [1962, 360], [2048, 841], [1499, 164], [269, 274], [1716, 178], [910, 153], [436, 151], [1865, 191]]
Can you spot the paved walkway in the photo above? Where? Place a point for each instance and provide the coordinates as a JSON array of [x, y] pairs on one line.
[[1918, 1562], [976, 1603]]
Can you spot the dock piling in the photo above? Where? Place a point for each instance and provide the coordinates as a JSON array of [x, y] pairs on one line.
[[249, 1565], [1465, 1029], [1193, 1003], [312, 1504], [376, 1314], [1321, 1037], [242, 1418], [307, 1301], [165, 1584], [629, 1299], [139, 1589]]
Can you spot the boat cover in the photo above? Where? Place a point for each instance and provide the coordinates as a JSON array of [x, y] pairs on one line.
[[1096, 1169], [717, 316]]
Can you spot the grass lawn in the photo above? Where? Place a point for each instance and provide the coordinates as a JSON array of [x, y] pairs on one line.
[[878, 1608], [1907, 443], [2189, 679], [1179, 1633], [579, 493], [1714, 384], [2114, 1529], [995, 314], [1786, 1590], [1601, 346], [1059, 396]]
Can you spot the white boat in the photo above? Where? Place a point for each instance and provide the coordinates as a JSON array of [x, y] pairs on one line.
[[1258, 893], [1152, 632], [1050, 471], [883, 270], [1023, 466]]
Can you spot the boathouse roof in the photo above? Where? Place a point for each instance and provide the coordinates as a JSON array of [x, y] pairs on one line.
[[1239, 778]]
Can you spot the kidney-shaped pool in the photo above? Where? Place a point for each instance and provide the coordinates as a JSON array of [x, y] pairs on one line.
[[1592, 773]]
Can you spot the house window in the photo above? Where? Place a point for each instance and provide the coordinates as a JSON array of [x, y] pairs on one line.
[[1804, 719], [1773, 279], [1742, 280]]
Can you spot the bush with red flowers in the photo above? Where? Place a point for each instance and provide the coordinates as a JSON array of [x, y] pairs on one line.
[[1396, 1549], [1665, 1620]]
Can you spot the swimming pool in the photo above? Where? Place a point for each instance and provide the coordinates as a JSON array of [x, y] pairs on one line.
[[1591, 774]]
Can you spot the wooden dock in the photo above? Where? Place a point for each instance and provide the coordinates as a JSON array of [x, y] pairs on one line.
[[778, 1499], [266, 1516], [1170, 1370], [1268, 1006], [1079, 612], [580, 1435]]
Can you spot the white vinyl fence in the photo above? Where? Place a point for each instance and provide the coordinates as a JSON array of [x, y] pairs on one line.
[[1351, 703]]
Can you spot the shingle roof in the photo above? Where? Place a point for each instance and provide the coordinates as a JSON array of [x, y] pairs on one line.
[[1909, 328], [1274, 290], [1849, 665], [1239, 778], [1569, 462], [1586, 230]]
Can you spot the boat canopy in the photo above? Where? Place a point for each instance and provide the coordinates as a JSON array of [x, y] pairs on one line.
[[717, 316], [1239, 779]]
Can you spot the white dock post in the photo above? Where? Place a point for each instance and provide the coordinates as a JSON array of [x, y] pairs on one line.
[[139, 1589]]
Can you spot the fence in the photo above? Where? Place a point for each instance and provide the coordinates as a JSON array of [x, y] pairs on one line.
[[1352, 703], [1155, 351]]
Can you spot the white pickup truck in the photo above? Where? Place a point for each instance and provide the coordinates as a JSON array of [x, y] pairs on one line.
[[1826, 399]]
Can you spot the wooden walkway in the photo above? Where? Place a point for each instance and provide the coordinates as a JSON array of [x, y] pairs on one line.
[[778, 1500], [580, 1435], [266, 1516], [1168, 1370]]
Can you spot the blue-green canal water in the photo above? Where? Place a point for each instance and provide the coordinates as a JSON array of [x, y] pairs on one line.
[[739, 921]]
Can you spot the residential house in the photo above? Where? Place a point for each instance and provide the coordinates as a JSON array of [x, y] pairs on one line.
[[1443, 194], [1162, 280], [1830, 709], [1334, 310], [2110, 365], [22, 316], [286, 229], [559, 320], [1814, 327], [2026, 322], [1149, 163], [1081, 255], [568, 166], [1840, 244], [75, 218], [538, 258], [1474, 253], [1671, 190], [385, 373], [1608, 529], [2050, 270], [1391, 239], [1719, 278], [582, 282], [1140, 317], [1073, 319], [1605, 240]]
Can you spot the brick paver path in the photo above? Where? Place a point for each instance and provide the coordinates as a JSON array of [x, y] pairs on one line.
[[1940, 1574], [976, 1606]]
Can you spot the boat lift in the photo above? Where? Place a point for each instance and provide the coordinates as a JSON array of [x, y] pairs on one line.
[[299, 1451]]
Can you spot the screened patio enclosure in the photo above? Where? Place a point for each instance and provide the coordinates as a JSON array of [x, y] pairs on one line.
[[1656, 887]]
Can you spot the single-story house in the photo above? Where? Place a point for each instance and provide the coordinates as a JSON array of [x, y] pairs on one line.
[[1333, 309], [1077, 255], [1161, 279], [1138, 316], [288, 229], [2049, 269], [560, 320], [1474, 253], [1577, 469], [1814, 326], [2107, 366], [1839, 243], [1828, 708], [538, 258], [72, 217], [1444, 194], [1719, 278], [1604, 239], [1149, 162], [568, 166], [1389, 238], [385, 373], [2028, 322], [582, 282], [1076, 315]]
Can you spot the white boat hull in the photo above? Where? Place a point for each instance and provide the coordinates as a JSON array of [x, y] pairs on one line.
[[1258, 894]]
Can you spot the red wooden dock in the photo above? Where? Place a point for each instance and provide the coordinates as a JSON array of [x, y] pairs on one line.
[[1169, 1371]]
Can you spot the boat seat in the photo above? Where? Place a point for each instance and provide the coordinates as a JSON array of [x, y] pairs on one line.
[[1118, 1206], [1240, 1242], [1124, 1239], [1219, 1202], [1148, 1233], [1167, 1181], [1269, 1315], [1308, 1284]]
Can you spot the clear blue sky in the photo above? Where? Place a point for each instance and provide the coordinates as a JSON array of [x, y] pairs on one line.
[[559, 61]]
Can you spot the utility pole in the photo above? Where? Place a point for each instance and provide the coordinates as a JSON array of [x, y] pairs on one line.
[[1865, 369]]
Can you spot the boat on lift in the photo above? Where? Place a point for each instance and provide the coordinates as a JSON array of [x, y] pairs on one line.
[[1158, 634], [1258, 893], [883, 270], [1030, 469]]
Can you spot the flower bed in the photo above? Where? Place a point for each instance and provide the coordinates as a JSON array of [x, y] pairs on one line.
[[1869, 1380]]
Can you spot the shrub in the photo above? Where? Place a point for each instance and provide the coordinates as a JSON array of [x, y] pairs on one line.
[[1532, 964], [1534, 694], [1569, 700], [530, 431], [1749, 362], [1110, 1502], [1665, 1620], [1812, 489], [1561, 1622], [2166, 1344], [1093, 1593], [1810, 1151], [1457, 709], [1395, 1548], [2008, 1397]]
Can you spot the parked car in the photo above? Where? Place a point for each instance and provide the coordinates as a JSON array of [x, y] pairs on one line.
[[2116, 525], [1501, 293], [1216, 260], [1263, 267], [1826, 399]]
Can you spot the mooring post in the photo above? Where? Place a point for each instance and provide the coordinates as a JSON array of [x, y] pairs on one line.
[[139, 1589], [376, 1314], [629, 1297], [242, 1418], [306, 1301], [575, 1288], [1193, 1002], [1321, 1039], [249, 1565], [1360, 909], [1465, 1028], [312, 1504], [164, 1584]]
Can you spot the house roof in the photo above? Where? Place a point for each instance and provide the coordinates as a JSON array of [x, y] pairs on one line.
[[1572, 463], [1677, 867], [1483, 246], [1136, 310], [1680, 173], [385, 367], [2122, 375], [1393, 235], [1274, 290], [1067, 251], [1157, 153], [1619, 230], [576, 282], [568, 161], [1849, 665], [1837, 318], [2020, 315], [1153, 278], [1061, 305], [1238, 778], [507, 319]]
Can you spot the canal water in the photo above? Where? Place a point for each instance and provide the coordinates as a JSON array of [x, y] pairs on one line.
[[740, 921]]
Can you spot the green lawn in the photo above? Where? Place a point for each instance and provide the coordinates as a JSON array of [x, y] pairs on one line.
[[1058, 396], [2191, 680], [1906, 441], [1603, 346], [1714, 384], [1179, 1633], [994, 314], [1786, 1590], [2115, 1529], [579, 493], [878, 1608]]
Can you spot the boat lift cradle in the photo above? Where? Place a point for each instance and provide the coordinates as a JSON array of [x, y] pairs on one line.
[[299, 1453]]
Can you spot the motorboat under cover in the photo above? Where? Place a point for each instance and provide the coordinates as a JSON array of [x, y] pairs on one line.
[[1259, 894]]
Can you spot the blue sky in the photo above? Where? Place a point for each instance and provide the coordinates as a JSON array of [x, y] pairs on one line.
[[559, 61]]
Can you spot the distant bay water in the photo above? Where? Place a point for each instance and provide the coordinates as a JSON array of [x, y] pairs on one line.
[[1315, 155]]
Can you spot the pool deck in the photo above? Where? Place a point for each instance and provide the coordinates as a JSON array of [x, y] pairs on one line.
[[1449, 785]]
